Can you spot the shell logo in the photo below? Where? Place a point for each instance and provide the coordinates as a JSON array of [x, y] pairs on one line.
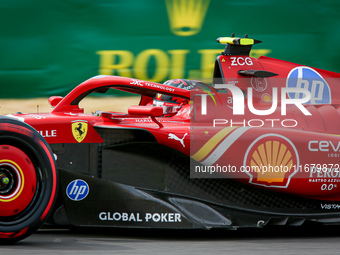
[[271, 161]]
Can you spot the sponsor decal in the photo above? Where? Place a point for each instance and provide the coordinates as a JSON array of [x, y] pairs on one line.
[[36, 116], [326, 174], [48, 133], [330, 206], [79, 130], [272, 159], [175, 137], [140, 217], [303, 77], [77, 190], [161, 120], [332, 148], [241, 61], [137, 82]]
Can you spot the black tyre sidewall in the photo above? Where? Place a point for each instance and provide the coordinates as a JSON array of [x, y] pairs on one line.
[[23, 136]]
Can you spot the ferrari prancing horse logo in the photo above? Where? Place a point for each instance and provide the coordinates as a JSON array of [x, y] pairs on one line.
[[79, 130]]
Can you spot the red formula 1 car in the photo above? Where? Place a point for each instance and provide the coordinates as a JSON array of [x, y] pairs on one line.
[[258, 147]]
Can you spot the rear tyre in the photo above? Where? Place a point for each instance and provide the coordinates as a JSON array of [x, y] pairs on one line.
[[28, 180]]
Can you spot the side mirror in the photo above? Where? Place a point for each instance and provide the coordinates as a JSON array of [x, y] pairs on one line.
[[54, 100], [153, 111]]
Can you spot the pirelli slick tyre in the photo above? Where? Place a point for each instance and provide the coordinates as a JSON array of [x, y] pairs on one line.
[[28, 180]]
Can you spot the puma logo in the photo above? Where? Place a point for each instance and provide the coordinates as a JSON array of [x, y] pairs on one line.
[[175, 137]]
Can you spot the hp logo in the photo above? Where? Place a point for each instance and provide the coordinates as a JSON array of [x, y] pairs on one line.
[[77, 190]]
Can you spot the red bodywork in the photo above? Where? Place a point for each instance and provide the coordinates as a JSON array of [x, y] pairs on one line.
[[307, 147]]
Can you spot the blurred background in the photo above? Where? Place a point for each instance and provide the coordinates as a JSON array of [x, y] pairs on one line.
[[49, 47]]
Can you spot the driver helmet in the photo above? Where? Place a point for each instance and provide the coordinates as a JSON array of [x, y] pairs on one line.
[[171, 104]]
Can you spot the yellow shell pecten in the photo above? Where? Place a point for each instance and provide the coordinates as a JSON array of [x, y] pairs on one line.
[[271, 161]]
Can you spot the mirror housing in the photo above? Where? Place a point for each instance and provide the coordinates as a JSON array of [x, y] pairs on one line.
[[153, 111], [54, 100]]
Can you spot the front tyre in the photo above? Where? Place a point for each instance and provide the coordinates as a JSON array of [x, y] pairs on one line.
[[28, 180]]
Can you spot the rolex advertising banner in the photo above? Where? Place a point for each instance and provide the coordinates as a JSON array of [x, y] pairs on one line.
[[49, 47]]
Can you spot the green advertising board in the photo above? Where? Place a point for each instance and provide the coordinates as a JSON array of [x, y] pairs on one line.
[[49, 47]]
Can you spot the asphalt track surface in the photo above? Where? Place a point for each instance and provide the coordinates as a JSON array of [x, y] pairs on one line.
[[278, 240]]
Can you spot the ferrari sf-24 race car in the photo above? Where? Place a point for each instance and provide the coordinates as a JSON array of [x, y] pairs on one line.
[[258, 147]]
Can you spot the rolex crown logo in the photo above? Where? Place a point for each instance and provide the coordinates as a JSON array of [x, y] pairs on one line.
[[186, 16]]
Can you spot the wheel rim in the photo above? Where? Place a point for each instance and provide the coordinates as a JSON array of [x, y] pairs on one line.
[[18, 180]]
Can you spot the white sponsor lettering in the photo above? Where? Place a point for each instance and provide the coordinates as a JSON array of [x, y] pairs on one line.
[[163, 217], [330, 206], [116, 216], [241, 61], [48, 133], [137, 82], [318, 172], [137, 217], [324, 146]]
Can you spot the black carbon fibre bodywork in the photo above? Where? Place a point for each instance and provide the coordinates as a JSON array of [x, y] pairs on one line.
[[136, 182]]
